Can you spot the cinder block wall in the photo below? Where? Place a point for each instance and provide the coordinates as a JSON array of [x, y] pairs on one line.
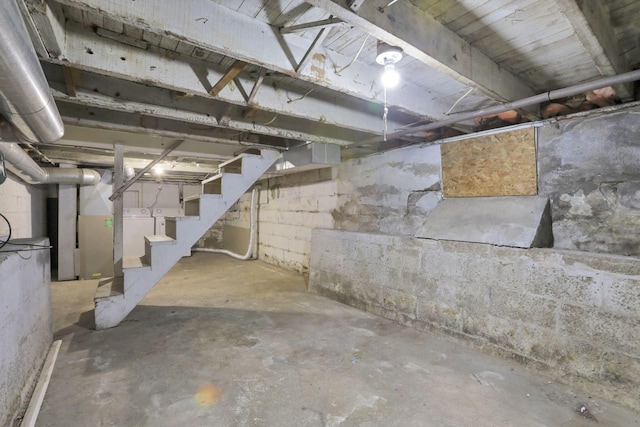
[[391, 193], [291, 206], [24, 206], [575, 313]]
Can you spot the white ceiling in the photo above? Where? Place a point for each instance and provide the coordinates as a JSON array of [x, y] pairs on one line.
[[146, 67]]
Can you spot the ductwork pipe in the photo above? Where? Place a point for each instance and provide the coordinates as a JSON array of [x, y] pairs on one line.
[[252, 232], [25, 99], [26, 169]]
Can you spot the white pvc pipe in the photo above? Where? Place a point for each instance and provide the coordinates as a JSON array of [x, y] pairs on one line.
[[253, 231]]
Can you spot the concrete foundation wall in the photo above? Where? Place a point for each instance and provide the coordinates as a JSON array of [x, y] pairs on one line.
[[291, 206], [24, 206], [25, 325], [390, 193], [576, 313], [588, 167]]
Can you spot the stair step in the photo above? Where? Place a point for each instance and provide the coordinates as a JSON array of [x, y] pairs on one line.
[[134, 262], [192, 203], [159, 238], [171, 224], [212, 185], [109, 287], [235, 165], [163, 251]]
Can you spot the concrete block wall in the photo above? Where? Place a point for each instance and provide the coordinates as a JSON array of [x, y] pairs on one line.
[[291, 206], [25, 325], [574, 313], [25, 206]]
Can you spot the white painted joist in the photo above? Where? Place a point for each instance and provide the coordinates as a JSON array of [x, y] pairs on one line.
[[103, 139], [47, 20], [214, 27], [421, 36], [61, 155], [185, 74], [77, 115], [97, 100], [591, 23]]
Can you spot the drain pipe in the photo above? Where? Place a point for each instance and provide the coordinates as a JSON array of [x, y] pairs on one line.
[[526, 102], [23, 166], [253, 231]]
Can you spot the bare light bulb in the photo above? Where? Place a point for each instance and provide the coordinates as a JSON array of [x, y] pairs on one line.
[[390, 77], [158, 170]]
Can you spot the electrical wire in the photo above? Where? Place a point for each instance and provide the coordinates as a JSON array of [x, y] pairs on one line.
[[33, 246], [354, 58], [9, 237], [458, 101], [385, 115]]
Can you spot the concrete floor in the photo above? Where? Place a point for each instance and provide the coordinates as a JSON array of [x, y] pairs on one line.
[[221, 342]]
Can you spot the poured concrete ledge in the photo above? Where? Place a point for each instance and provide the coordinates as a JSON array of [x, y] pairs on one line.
[[575, 313], [516, 221]]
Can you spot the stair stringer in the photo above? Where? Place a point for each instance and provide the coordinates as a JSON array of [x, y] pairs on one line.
[[162, 256]]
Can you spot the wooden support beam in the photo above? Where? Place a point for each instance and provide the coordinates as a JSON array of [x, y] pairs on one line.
[[123, 186], [71, 80], [256, 86], [317, 42], [430, 42], [118, 213], [591, 23], [46, 20], [214, 27], [240, 87], [329, 22], [231, 74], [155, 67]]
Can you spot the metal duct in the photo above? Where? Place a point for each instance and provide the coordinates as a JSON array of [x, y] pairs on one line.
[[25, 99], [23, 166]]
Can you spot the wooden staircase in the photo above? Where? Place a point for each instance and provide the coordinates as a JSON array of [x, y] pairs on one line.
[[116, 297]]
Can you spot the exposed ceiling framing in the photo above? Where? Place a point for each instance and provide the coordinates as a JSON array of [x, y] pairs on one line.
[[226, 74]]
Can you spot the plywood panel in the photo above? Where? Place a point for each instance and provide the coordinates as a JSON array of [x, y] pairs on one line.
[[502, 164]]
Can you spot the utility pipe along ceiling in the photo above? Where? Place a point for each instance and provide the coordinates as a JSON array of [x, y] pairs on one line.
[[223, 75], [26, 103]]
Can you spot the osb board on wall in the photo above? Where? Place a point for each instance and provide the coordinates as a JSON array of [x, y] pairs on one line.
[[502, 164]]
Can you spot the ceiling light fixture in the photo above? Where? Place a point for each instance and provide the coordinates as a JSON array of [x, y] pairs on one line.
[[388, 56]]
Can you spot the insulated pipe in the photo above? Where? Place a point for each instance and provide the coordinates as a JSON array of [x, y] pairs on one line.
[[252, 232], [532, 100], [25, 98], [25, 168]]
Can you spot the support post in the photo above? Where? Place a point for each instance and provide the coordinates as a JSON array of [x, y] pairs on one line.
[[118, 212], [122, 186], [67, 218]]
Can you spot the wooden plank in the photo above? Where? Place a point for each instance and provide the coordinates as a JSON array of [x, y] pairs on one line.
[[228, 76], [502, 164], [71, 80]]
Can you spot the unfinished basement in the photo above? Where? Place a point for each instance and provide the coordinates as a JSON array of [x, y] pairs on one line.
[[319, 213]]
